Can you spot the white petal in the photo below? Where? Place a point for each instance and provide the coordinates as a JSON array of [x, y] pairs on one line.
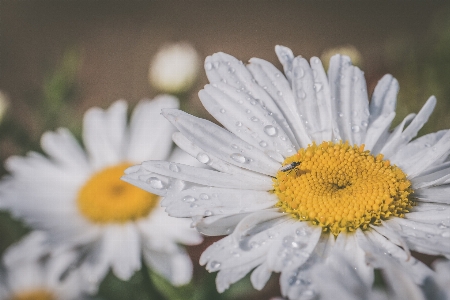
[[204, 176], [229, 70], [126, 246], [216, 201], [148, 181], [437, 194], [437, 176], [286, 57], [220, 224], [220, 142], [260, 276], [176, 267], [103, 133], [403, 137], [213, 161], [149, 132], [63, 148], [246, 118]]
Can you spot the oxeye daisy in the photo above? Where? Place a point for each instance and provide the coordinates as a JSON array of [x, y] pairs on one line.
[[77, 197], [29, 273], [304, 165]]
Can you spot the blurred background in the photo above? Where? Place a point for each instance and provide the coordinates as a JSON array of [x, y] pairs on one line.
[[58, 58]]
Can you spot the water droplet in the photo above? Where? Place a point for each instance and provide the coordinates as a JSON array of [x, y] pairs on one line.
[[174, 168], [427, 145], [265, 87], [234, 146], [318, 87], [238, 158], [193, 205], [254, 119], [189, 199], [270, 130], [239, 124], [215, 265], [248, 111], [208, 66], [216, 64], [301, 94], [355, 78], [222, 110], [364, 124], [287, 241], [203, 158], [299, 72], [355, 128], [253, 102], [445, 234], [263, 144], [207, 213], [155, 183], [277, 74], [204, 196], [231, 70], [283, 138], [340, 115], [301, 231], [224, 80], [442, 226], [280, 93]]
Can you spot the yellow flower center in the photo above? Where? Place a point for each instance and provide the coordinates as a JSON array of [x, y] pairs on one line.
[[39, 294], [341, 187], [106, 199]]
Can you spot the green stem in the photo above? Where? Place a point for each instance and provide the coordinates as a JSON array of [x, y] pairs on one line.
[[152, 291]]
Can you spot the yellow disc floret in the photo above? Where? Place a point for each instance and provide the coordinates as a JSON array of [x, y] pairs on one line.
[[38, 294], [106, 199], [341, 187]]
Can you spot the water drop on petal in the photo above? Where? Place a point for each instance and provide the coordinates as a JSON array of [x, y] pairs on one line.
[[203, 158], [189, 199], [355, 128], [208, 213], [174, 168], [364, 124], [155, 183], [215, 264], [263, 144], [208, 66], [270, 130], [254, 119], [222, 110], [238, 158], [204, 196]]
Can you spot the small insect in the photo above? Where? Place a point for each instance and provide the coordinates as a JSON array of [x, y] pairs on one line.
[[290, 167]]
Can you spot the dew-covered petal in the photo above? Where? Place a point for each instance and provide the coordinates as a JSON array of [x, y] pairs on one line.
[[260, 276], [384, 98], [103, 134], [151, 182], [222, 143], [213, 161], [438, 175], [392, 235], [203, 176], [247, 118], [430, 213], [149, 132], [286, 57], [220, 224], [294, 246], [424, 238], [205, 201], [224, 68], [279, 90]]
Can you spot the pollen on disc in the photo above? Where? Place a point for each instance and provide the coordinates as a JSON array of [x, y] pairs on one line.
[[341, 187]]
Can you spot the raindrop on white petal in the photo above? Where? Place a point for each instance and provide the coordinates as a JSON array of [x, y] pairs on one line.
[[283, 138], [299, 72], [445, 234], [248, 111], [234, 146], [265, 87], [216, 64], [442, 226], [174, 168], [301, 94], [239, 124], [155, 183], [207, 213], [203, 158], [208, 66], [355, 128], [318, 87], [427, 145], [280, 93], [340, 115], [238, 158], [301, 231], [263, 144], [277, 74], [215, 265], [364, 124], [222, 110], [189, 199], [193, 205], [231, 70], [254, 119], [204, 196], [270, 130]]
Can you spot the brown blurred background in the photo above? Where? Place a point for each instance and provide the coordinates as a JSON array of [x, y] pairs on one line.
[[107, 47]]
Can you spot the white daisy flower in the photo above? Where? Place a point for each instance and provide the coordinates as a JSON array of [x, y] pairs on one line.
[[304, 165], [78, 198], [30, 274]]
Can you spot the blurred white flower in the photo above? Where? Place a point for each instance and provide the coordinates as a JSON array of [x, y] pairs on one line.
[[437, 286], [4, 104], [78, 198], [30, 273], [303, 165], [348, 50], [174, 68]]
